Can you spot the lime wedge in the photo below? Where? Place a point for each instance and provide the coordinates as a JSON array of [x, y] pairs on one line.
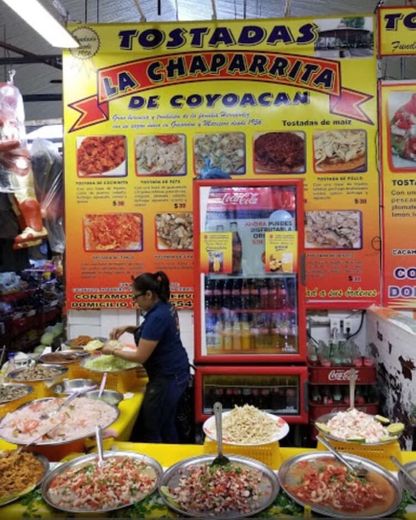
[[323, 427], [356, 439], [395, 428], [381, 419]]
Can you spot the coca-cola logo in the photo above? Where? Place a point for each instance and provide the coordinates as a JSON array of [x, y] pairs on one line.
[[243, 199], [339, 375]]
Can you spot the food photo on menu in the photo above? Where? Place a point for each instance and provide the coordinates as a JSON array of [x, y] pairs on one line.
[[279, 152], [101, 156], [163, 154], [333, 229], [340, 151], [113, 232], [219, 153], [402, 130], [174, 231]]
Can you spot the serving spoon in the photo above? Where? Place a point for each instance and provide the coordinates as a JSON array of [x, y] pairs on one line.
[[352, 376], [220, 459], [358, 470], [100, 449]]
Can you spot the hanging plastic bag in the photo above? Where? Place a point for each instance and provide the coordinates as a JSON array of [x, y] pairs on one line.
[[49, 186]]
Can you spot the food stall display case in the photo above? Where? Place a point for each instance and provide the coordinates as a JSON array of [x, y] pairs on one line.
[[281, 390], [249, 281]]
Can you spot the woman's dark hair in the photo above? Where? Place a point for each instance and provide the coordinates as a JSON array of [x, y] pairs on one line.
[[156, 282]]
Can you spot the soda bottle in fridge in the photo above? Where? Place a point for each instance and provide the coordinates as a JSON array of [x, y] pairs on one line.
[[245, 294], [237, 249], [245, 332], [227, 335], [218, 329], [227, 294], [337, 394], [255, 334], [236, 333], [312, 353], [210, 335], [324, 354], [246, 396], [236, 294], [209, 293], [316, 396], [264, 294]]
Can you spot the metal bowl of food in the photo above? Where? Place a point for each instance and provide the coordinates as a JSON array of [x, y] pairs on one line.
[[339, 493], [79, 342], [39, 372], [71, 386], [108, 363], [73, 420], [21, 473], [135, 476], [410, 467], [109, 396], [10, 392], [358, 427], [62, 357], [188, 487]]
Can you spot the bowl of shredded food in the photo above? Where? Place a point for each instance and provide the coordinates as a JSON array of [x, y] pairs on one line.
[[20, 473], [84, 486], [108, 363], [358, 427], [247, 426]]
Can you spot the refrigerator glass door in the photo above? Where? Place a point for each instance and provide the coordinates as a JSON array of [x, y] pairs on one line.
[[249, 270]]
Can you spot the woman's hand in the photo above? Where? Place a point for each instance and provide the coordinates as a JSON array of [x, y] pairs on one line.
[[107, 348], [118, 331]]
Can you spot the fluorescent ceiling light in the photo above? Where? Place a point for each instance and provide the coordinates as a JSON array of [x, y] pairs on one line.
[[40, 19]]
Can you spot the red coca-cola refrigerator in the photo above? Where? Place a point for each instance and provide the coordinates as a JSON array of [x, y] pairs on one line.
[[249, 295]]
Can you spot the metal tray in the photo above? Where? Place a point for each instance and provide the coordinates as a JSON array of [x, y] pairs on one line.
[[60, 442], [269, 485], [59, 369], [70, 386], [45, 464], [289, 465], [406, 484], [90, 458], [325, 418], [27, 390], [63, 357]]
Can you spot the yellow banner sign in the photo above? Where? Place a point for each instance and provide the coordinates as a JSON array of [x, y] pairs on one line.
[[149, 107], [398, 148], [396, 26]]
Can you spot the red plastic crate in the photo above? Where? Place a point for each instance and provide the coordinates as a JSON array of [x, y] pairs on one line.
[[339, 375]]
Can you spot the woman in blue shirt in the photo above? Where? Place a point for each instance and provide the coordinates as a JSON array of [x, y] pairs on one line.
[[160, 350]]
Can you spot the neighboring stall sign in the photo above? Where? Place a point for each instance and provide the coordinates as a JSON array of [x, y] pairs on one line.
[[149, 107], [398, 148], [396, 30]]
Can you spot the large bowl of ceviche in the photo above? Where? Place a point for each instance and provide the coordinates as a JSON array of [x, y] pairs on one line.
[[195, 487], [49, 421], [84, 486], [358, 427], [319, 481]]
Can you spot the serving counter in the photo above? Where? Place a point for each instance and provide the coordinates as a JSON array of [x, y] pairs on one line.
[[32, 505]]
